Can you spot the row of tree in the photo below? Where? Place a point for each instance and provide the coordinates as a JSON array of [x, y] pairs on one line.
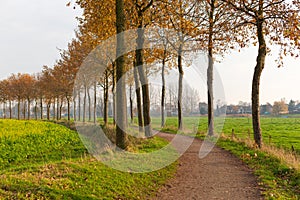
[[43, 90], [212, 26]]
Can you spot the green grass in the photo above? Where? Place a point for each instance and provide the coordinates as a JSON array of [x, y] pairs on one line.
[[28, 142], [281, 132], [42, 160]]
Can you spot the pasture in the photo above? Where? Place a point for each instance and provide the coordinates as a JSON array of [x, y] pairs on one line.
[[281, 132]]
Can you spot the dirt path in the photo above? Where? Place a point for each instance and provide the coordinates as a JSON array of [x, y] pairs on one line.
[[219, 175]]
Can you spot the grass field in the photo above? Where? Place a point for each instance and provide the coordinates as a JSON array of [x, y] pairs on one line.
[[281, 132], [42, 160]]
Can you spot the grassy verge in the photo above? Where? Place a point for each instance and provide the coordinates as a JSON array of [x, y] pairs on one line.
[[50, 162], [277, 179]]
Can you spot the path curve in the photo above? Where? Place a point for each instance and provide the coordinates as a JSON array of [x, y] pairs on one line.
[[220, 175]]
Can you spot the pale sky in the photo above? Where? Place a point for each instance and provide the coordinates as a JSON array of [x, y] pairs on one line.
[[32, 30]]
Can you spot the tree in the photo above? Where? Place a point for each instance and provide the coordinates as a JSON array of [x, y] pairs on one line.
[[17, 90], [216, 35], [46, 85], [141, 9], [280, 107], [28, 85], [121, 120], [6, 94], [179, 16], [138, 99], [271, 20], [292, 106]]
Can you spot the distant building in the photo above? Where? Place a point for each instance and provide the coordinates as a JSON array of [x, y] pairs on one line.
[[238, 109], [266, 109], [171, 110], [203, 108]]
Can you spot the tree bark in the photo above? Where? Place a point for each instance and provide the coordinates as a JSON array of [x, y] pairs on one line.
[[41, 105], [35, 110], [61, 107], [10, 110], [69, 109], [74, 109], [121, 118], [48, 109], [143, 78], [4, 110], [89, 106], [131, 104], [210, 97], [210, 70], [180, 82], [54, 109], [95, 102], [105, 98], [113, 91], [28, 109], [24, 109], [163, 89], [19, 102], [84, 104], [79, 106], [260, 63], [138, 98], [57, 108]]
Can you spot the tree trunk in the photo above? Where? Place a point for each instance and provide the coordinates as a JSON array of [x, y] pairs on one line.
[[210, 75], [10, 110], [24, 109], [74, 109], [41, 105], [84, 104], [138, 99], [19, 105], [57, 109], [114, 92], [61, 107], [90, 104], [260, 63], [79, 106], [210, 97], [4, 110], [95, 102], [28, 109], [121, 138], [54, 109], [69, 108], [48, 110], [131, 104], [180, 82], [35, 110], [143, 79], [163, 90], [105, 98]]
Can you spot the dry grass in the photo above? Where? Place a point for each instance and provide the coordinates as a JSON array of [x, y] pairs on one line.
[[291, 159]]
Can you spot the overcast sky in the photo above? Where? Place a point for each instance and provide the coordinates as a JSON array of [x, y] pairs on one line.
[[32, 30]]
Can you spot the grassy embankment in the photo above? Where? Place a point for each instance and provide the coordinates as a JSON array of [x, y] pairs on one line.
[[42, 160]]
